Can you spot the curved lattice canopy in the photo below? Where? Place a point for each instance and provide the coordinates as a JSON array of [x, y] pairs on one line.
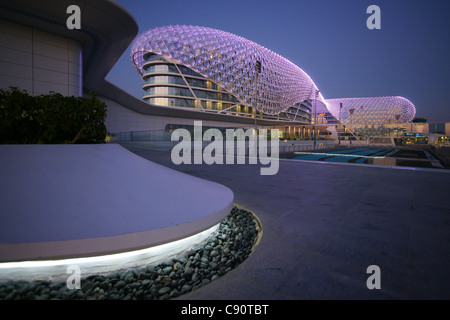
[[232, 62], [376, 110]]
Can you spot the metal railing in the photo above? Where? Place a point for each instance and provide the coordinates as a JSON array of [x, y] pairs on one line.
[[161, 140]]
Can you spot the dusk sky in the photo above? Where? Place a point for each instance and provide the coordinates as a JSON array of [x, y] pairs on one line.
[[409, 56]]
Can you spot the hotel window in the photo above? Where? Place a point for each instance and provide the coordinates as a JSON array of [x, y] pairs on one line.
[[153, 57], [158, 79], [158, 90], [196, 83], [188, 71], [186, 103], [159, 101], [157, 68]]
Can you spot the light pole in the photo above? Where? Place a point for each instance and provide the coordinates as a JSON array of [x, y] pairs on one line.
[[351, 114], [340, 121], [351, 121], [258, 71], [315, 118]]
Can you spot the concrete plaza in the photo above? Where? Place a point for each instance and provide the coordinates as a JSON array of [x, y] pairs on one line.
[[325, 224]]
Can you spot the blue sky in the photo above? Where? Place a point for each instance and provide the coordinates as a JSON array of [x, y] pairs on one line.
[[409, 56]]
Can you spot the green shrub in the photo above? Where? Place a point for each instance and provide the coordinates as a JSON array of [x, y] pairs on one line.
[[51, 118]]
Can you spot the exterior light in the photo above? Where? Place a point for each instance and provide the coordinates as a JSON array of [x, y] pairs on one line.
[[56, 270]]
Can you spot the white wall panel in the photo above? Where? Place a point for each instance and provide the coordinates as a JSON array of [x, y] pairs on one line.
[[15, 70], [121, 119], [74, 91], [15, 42], [44, 62], [74, 52], [9, 81], [15, 56], [13, 28], [51, 76], [74, 80], [43, 87], [38, 61], [47, 50], [50, 39], [75, 68]]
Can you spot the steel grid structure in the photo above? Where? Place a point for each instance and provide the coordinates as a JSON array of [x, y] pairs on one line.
[[375, 110], [232, 62], [256, 76]]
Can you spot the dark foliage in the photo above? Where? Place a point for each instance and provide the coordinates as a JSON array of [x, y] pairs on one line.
[[50, 119]]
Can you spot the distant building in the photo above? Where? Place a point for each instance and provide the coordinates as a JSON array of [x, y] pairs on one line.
[[372, 111]]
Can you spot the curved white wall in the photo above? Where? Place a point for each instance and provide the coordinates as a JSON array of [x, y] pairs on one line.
[[65, 201], [122, 119], [38, 61]]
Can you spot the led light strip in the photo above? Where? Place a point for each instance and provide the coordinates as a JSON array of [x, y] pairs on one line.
[[339, 155], [56, 270]]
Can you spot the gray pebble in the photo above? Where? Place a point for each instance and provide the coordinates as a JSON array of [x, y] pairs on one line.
[[164, 290], [167, 270], [120, 284], [223, 252]]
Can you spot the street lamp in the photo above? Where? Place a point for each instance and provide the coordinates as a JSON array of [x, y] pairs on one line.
[[315, 118], [351, 114], [258, 71], [351, 121], [340, 122]]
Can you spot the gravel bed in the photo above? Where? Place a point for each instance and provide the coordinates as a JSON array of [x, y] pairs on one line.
[[234, 241]]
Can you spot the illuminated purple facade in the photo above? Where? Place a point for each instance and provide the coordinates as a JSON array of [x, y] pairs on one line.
[[216, 71], [376, 110], [231, 62]]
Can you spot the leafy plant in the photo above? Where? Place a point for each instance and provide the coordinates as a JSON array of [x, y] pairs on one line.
[[51, 118]]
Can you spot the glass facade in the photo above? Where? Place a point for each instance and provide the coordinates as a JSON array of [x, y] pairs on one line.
[[175, 85], [224, 73]]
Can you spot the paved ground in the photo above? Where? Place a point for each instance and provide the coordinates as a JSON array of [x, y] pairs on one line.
[[324, 224]]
